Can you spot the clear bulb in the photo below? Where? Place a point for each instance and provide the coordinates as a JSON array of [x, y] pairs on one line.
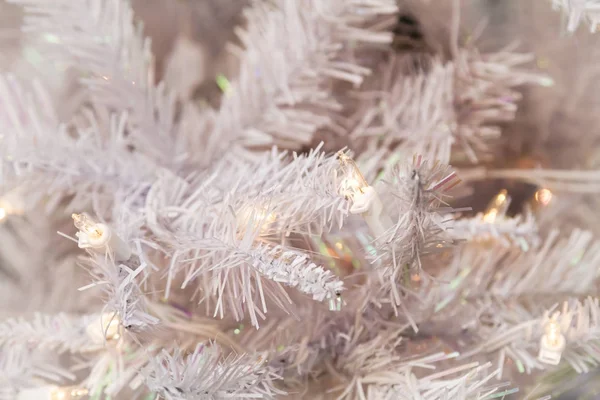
[[68, 393], [86, 225], [497, 207], [353, 182], [553, 332]]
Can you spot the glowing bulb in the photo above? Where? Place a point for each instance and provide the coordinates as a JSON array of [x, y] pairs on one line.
[[257, 217], [490, 216], [543, 196], [3, 214], [553, 333], [497, 207], [86, 225], [99, 236], [353, 182], [52, 393], [552, 343], [105, 328]]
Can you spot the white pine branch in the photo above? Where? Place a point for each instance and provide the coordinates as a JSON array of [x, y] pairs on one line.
[[293, 53], [61, 332], [516, 333], [416, 203], [206, 374], [20, 369], [124, 296], [101, 40], [520, 230], [578, 11], [376, 368], [458, 103], [81, 158]]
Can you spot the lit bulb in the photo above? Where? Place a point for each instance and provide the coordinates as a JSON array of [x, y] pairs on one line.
[[257, 216], [3, 214], [543, 196], [365, 199], [553, 333], [52, 393], [353, 182], [106, 328], [552, 343], [99, 236], [86, 225], [497, 207]]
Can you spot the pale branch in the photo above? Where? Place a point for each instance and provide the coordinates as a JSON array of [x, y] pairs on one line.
[[60, 333], [579, 11], [121, 284], [21, 369], [65, 159], [416, 196], [102, 41], [290, 88], [444, 105], [206, 374], [521, 230], [516, 332]]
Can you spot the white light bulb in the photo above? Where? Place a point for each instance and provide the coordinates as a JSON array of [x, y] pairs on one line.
[[99, 236], [552, 343]]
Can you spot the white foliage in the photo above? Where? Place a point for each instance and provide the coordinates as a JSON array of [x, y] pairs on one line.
[[61, 332], [20, 369], [579, 11], [444, 104], [521, 230], [121, 284], [293, 53], [101, 40], [206, 374], [416, 203]]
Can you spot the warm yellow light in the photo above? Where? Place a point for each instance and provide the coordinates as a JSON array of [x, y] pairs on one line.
[[497, 207], [68, 393], [339, 245], [86, 225], [553, 332], [490, 216], [543, 196], [353, 181], [3, 214]]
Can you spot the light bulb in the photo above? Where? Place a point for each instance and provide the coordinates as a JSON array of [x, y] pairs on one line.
[[553, 333], [52, 393], [257, 216], [552, 343], [99, 236], [86, 225], [497, 207], [353, 182], [3, 214], [543, 196], [106, 328]]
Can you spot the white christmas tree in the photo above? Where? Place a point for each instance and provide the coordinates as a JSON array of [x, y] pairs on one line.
[[304, 239]]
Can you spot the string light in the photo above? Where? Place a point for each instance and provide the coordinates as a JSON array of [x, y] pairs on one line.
[[10, 204], [364, 198], [552, 343], [543, 196], [497, 207], [52, 393], [99, 236], [257, 217], [107, 328]]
